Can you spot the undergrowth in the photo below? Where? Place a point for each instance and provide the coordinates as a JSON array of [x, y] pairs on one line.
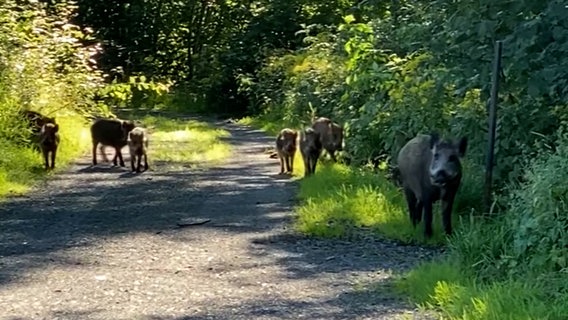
[[21, 166]]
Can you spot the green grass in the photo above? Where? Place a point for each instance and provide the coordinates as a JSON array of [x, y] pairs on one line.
[[185, 141], [456, 294], [339, 200], [21, 167], [268, 124]]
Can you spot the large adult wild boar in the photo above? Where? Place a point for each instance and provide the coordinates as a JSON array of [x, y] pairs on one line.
[[110, 132], [331, 135], [286, 145], [430, 170]]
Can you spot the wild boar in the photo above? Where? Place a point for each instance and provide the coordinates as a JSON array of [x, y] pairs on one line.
[[286, 145], [111, 132], [430, 170], [48, 143], [331, 135], [138, 145], [310, 148]]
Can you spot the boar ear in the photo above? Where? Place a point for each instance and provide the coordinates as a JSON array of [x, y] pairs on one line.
[[462, 146], [55, 128], [434, 138]]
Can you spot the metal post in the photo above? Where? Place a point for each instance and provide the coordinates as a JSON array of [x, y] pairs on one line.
[[492, 123]]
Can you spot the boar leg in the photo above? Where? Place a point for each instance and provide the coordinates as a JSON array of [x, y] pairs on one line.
[[332, 155], [412, 205], [138, 162], [119, 156], [291, 163], [45, 159], [281, 159], [427, 203], [95, 153], [418, 212], [314, 161], [53, 153], [447, 205], [145, 162], [306, 166]]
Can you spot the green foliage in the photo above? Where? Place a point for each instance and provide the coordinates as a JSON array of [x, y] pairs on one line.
[[137, 93], [45, 65]]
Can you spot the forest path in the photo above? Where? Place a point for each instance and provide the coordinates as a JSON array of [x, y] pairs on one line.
[[102, 243]]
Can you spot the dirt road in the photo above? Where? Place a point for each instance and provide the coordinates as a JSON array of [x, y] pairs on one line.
[[102, 243]]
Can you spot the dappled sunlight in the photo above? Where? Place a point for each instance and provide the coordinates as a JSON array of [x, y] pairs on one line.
[[186, 141]]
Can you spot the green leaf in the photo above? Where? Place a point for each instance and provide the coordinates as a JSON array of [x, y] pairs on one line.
[[349, 18]]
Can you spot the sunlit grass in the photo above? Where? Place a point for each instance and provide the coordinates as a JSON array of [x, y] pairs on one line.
[[185, 141], [455, 294], [261, 123], [339, 200], [21, 167]]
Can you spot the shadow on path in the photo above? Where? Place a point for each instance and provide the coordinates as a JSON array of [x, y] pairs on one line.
[[88, 214]]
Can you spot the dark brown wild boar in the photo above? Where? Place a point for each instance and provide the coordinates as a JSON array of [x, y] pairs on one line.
[[286, 145], [48, 143], [138, 145], [331, 135], [110, 132], [310, 148], [430, 170]]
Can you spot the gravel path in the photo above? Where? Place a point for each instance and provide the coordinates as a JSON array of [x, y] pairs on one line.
[[102, 243]]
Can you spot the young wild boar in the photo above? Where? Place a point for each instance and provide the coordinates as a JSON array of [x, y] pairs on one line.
[[331, 135], [138, 145], [110, 132], [430, 170], [48, 143], [286, 149], [37, 120], [310, 148]]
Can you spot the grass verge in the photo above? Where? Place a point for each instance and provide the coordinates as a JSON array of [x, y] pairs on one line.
[[339, 201], [456, 294], [21, 166]]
